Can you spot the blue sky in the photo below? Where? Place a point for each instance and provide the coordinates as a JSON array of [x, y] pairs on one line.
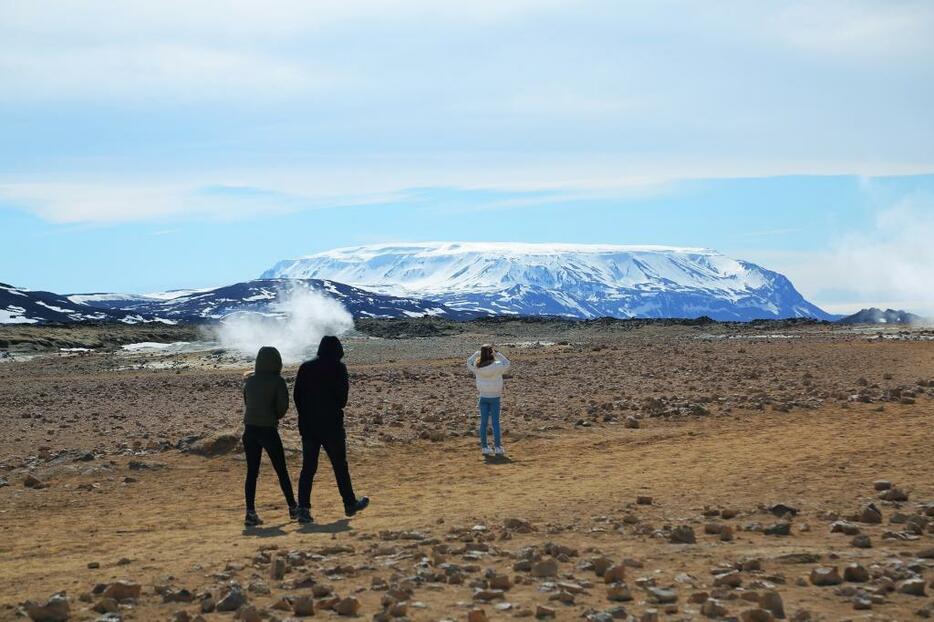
[[147, 146]]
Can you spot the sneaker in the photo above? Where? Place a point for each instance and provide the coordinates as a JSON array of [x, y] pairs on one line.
[[359, 506], [293, 512], [304, 516], [499, 451], [486, 451], [252, 520]]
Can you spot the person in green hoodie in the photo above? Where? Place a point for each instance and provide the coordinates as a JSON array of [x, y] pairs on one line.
[[266, 400]]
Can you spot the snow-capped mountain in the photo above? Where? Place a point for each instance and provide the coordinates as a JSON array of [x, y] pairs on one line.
[[263, 297], [24, 306], [572, 280]]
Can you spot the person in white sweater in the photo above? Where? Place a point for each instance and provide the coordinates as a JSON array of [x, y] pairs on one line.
[[488, 366]]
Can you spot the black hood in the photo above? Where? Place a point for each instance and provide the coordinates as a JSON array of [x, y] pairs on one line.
[[330, 348], [268, 360]]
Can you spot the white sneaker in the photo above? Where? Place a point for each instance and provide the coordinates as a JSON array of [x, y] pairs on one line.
[[486, 451], [500, 451]]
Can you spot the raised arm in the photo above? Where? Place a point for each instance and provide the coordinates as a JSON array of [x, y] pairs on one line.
[[503, 360], [472, 361]]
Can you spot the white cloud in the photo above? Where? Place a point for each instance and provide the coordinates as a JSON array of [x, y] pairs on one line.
[[890, 264]]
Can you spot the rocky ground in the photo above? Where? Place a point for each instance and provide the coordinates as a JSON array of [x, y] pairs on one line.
[[655, 472]]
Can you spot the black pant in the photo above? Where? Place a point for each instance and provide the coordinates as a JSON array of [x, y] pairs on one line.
[[335, 444], [255, 440]]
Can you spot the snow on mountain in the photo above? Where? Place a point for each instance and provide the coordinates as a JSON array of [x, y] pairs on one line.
[[261, 296], [23, 306], [572, 280]]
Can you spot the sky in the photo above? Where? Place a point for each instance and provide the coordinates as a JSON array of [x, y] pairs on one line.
[[156, 145]]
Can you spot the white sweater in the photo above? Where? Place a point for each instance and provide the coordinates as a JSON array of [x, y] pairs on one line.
[[490, 377]]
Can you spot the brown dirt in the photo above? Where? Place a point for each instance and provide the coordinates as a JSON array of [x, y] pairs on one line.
[[178, 524]]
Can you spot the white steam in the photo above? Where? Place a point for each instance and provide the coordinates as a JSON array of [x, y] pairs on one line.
[[294, 324]]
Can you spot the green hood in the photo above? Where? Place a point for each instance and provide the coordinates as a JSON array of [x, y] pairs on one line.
[[268, 360]]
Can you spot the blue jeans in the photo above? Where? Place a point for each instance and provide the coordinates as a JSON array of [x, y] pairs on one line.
[[489, 409]]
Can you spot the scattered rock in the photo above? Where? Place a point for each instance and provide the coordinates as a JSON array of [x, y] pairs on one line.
[[870, 514], [682, 534], [220, 444], [756, 615], [618, 593], [31, 481], [882, 484], [349, 606], [56, 609], [772, 601], [632, 423], [855, 573], [824, 576], [545, 568], [644, 500], [861, 541], [542, 612], [713, 608], [476, 615], [615, 574], [913, 587], [232, 600], [303, 606], [122, 591], [662, 596], [894, 494]]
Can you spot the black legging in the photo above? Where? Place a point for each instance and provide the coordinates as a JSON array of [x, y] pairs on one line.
[[255, 439], [335, 444]]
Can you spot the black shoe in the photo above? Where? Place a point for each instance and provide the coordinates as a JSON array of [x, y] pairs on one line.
[[358, 506], [304, 516], [252, 520], [293, 512]]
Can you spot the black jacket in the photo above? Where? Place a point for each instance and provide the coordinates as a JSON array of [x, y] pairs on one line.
[[321, 389]]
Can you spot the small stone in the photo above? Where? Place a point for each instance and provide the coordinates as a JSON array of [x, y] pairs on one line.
[[31, 481], [861, 603], [772, 601], [542, 612], [824, 576], [93, 565], [862, 541], [894, 494], [855, 573], [500, 582], [248, 613], [844, 527], [277, 568], [882, 484], [913, 587], [618, 593], [778, 529], [106, 605], [728, 579], [870, 514], [644, 500], [663, 596], [303, 606], [56, 609], [615, 574], [545, 568], [232, 601], [726, 534], [632, 423], [649, 615], [122, 591], [756, 615], [601, 565], [682, 534], [713, 608], [476, 615], [349, 606]]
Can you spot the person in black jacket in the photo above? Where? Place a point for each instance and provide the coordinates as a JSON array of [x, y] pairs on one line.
[[321, 389]]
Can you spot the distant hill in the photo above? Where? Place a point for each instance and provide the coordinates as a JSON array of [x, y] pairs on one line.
[[878, 316]]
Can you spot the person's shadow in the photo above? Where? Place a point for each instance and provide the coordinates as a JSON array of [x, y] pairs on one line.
[[338, 526], [498, 460], [273, 531]]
